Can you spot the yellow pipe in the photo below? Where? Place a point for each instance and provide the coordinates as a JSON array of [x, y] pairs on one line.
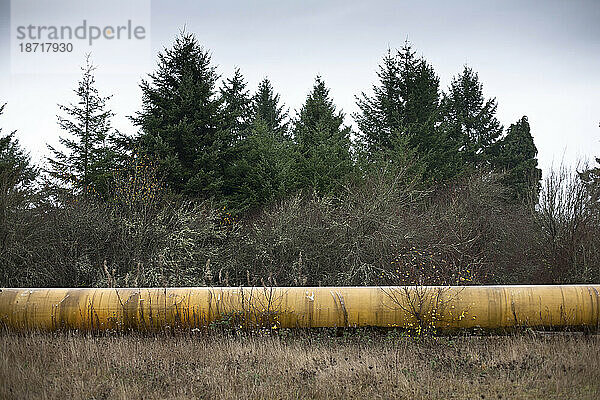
[[485, 307]]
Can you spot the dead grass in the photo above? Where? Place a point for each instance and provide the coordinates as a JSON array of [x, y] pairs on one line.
[[300, 366]]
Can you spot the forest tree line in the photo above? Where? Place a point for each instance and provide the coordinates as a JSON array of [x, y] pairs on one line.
[[223, 186]]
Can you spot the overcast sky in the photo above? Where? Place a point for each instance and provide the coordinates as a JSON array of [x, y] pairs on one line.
[[538, 58]]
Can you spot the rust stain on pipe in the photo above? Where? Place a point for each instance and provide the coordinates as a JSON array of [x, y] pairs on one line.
[[153, 309]]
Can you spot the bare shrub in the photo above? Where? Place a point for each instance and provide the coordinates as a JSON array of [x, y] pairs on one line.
[[139, 236], [386, 230], [424, 304], [570, 229], [254, 309], [385, 233], [328, 240]]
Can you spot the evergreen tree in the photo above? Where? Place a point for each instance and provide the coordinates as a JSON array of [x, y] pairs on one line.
[[236, 109], [420, 92], [421, 116], [260, 173], [17, 174], [88, 159], [402, 114], [323, 158], [260, 169], [469, 120], [266, 107], [180, 120], [380, 117], [17, 180], [515, 154]]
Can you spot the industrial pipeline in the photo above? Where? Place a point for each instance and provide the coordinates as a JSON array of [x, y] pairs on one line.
[[436, 307]]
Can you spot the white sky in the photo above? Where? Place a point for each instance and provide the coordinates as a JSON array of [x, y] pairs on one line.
[[540, 59]]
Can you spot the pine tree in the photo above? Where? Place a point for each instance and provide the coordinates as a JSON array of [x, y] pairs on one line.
[[236, 109], [180, 120], [515, 155], [266, 107], [469, 120], [323, 159], [86, 163]]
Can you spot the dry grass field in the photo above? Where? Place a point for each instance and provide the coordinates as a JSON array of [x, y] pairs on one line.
[[299, 366]]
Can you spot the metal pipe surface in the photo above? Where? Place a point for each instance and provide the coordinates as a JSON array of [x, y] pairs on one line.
[[437, 307]]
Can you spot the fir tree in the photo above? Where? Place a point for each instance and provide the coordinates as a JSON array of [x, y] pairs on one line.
[[469, 120], [236, 109], [380, 117], [86, 163], [515, 155], [402, 113], [419, 87], [17, 174], [260, 173], [421, 94], [323, 158], [180, 120], [17, 189], [266, 108]]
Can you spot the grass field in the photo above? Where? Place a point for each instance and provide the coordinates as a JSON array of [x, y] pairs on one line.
[[299, 366]]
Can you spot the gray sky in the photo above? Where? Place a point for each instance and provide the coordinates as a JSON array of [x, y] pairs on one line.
[[538, 58]]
